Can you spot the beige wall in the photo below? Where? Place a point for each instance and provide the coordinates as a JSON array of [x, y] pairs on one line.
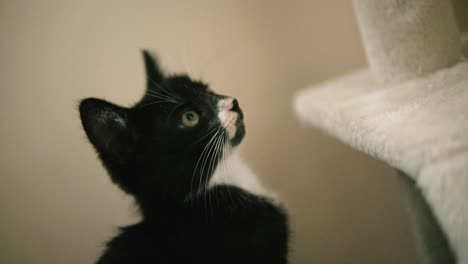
[[58, 205]]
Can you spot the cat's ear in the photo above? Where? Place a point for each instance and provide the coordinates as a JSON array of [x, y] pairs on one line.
[[107, 127], [154, 74]]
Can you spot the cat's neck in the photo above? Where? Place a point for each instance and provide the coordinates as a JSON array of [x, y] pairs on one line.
[[234, 171]]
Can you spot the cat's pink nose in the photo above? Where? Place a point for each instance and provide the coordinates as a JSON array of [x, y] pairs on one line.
[[228, 103]]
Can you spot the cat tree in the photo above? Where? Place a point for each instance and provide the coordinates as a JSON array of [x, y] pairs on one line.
[[409, 109]]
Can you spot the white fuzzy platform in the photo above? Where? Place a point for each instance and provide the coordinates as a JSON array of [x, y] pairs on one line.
[[419, 127]]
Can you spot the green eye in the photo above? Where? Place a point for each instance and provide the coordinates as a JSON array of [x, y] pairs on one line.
[[190, 119]]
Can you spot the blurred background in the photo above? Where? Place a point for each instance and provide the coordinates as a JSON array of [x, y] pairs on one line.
[[58, 204]]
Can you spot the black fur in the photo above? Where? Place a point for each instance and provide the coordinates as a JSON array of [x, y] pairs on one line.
[[153, 157]]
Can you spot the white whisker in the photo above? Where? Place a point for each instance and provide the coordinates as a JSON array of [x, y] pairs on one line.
[[226, 163], [205, 162], [167, 91], [200, 158], [213, 164], [161, 96]]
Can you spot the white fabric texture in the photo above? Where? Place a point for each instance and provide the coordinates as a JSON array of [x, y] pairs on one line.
[[407, 39]]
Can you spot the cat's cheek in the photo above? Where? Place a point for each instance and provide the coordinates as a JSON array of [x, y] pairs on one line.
[[228, 120]]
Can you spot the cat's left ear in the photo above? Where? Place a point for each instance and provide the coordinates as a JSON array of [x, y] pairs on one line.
[[107, 127], [154, 74]]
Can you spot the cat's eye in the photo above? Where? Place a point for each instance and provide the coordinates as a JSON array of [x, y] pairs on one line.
[[190, 119]]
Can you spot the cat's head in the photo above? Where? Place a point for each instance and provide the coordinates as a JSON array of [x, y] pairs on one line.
[[169, 143]]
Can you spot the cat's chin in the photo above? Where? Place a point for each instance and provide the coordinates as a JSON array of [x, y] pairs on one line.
[[240, 133]]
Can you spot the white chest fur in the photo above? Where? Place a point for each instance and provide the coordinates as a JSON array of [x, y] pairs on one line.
[[234, 171]]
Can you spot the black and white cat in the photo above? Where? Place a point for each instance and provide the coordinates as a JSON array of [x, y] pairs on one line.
[[173, 151]]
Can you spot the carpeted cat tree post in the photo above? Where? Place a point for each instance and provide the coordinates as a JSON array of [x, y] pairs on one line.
[[409, 109]]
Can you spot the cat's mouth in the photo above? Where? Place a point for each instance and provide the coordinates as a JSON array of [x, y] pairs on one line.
[[240, 132], [231, 119]]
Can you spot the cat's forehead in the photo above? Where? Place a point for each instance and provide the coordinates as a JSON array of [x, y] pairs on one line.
[[185, 83], [189, 89], [179, 90]]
